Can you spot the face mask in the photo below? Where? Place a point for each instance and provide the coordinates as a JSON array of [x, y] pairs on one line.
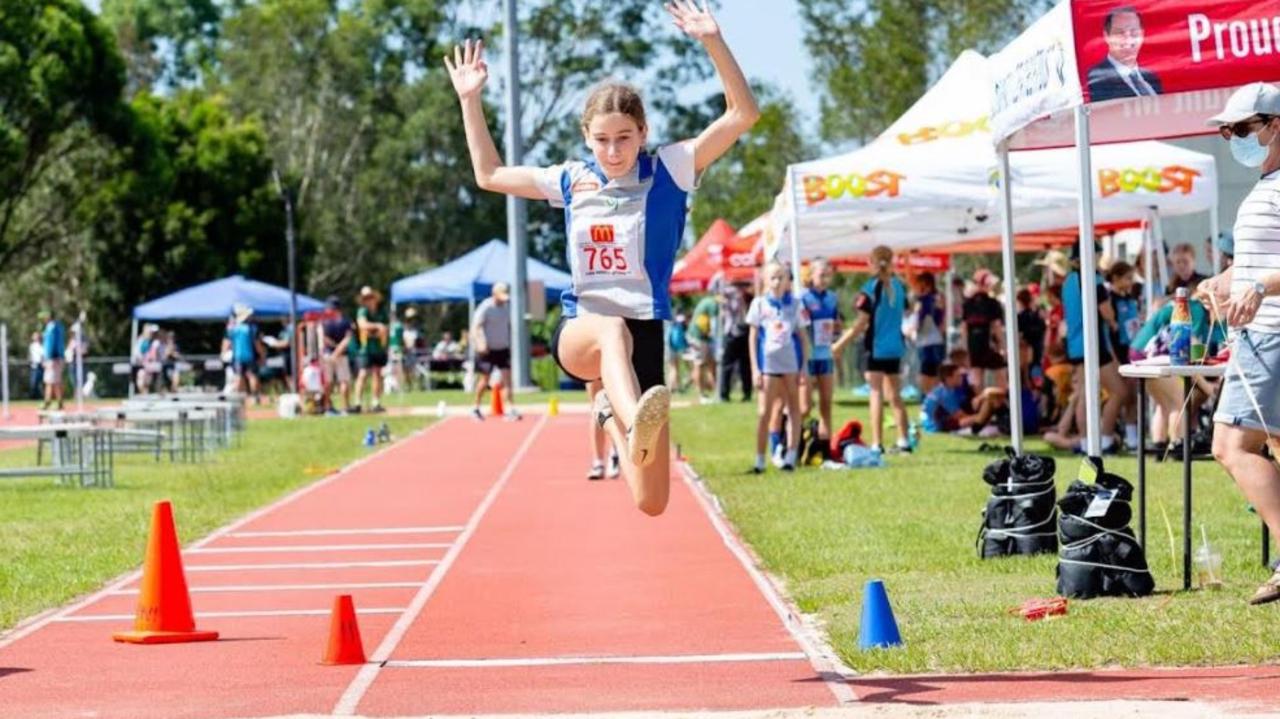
[[1248, 151]]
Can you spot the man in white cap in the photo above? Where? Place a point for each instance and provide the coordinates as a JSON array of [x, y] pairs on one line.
[[491, 332], [1247, 297]]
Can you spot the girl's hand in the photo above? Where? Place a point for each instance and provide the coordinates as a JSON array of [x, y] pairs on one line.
[[693, 21], [468, 70], [757, 379]]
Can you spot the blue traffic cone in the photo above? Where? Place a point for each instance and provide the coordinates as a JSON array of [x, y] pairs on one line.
[[879, 628], [370, 438]]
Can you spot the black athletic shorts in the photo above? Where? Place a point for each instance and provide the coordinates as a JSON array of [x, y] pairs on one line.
[[647, 348], [887, 366], [499, 359], [371, 360]]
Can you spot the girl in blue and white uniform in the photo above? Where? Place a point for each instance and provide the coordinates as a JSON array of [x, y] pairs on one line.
[[778, 346], [823, 308], [624, 216]]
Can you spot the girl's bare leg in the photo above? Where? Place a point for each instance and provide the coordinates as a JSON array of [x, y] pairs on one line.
[[791, 395], [826, 390], [893, 388], [876, 380]]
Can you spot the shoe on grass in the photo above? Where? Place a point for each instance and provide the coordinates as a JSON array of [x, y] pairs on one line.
[[1268, 592]]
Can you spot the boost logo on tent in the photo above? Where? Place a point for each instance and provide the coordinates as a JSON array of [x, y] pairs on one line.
[[1152, 179], [833, 187], [953, 129]]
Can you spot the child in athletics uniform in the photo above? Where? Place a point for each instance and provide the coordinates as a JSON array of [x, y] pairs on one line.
[[624, 216], [822, 307], [778, 345]]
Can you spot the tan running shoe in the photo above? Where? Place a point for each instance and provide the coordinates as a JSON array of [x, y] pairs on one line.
[[1268, 592], [651, 416]]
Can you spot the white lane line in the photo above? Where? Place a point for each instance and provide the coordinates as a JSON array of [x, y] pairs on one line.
[[226, 615], [33, 624], [824, 660], [309, 565], [341, 532], [563, 661], [318, 548], [285, 587], [350, 699]]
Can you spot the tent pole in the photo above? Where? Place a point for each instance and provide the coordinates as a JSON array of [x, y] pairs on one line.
[[1157, 234], [1088, 293], [1012, 349], [794, 222], [133, 347], [4, 371], [1149, 261], [948, 305], [1215, 230]]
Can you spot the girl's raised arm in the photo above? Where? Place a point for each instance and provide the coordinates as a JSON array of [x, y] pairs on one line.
[[740, 111], [469, 73]]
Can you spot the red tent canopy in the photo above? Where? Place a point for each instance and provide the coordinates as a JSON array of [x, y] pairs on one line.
[[720, 251]]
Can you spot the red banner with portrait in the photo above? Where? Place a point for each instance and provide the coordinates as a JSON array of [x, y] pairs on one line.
[[1158, 47]]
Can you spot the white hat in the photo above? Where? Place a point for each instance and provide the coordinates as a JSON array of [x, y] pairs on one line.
[[241, 312], [1256, 98]]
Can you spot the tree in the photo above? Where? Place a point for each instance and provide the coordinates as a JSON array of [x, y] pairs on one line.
[[165, 43], [59, 72], [741, 185], [876, 57]]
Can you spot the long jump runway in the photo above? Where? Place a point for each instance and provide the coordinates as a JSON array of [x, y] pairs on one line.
[[489, 577]]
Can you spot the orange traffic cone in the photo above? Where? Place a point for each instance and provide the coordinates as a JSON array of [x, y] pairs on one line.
[[345, 646], [496, 408], [164, 607]]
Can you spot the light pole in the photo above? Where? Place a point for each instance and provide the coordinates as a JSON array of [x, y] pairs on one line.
[[516, 236], [286, 193]]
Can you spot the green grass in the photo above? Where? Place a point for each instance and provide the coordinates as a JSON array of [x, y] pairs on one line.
[[61, 542], [913, 524]]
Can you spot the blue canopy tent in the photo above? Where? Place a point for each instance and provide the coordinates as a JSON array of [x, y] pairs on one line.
[[471, 277], [214, 300]]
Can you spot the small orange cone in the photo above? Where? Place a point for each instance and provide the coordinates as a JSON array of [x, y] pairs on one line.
[[496, 407], [345, 646], [164, 607]]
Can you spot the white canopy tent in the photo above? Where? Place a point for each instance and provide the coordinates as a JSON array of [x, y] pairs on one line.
[[932, 179], [1049, 92]]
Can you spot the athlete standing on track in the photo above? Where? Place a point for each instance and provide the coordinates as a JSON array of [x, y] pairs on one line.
[[625, 215]]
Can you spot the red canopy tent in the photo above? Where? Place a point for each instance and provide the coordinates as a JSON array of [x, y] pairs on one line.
[[720, 252]]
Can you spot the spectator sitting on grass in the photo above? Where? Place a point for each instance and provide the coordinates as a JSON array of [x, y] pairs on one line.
[[947, 407]]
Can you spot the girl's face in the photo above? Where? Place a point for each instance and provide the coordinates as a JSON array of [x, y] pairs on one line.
[[776, 281], [615, 140], [1123, 284], [822, 277]]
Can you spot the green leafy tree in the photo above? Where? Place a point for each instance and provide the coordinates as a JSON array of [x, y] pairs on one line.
[[165, 43], [741, 185], [59, 73], [874, 58]]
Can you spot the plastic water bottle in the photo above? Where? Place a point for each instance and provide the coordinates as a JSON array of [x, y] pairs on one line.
[[913, 436], [1180, 330]]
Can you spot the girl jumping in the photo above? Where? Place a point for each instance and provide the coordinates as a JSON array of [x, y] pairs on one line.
[[624, 217]]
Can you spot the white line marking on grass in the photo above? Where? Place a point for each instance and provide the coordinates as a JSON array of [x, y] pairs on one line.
[[285, 587], [821, 656], [340, 532], [228, 615], [309, 565], [350, 699], [564, 661], [318, 548], [35, 623]]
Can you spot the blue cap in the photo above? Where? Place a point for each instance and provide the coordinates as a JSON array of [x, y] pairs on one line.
[[1227, 243]]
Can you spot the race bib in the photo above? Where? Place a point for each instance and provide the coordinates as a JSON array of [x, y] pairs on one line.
[[823, 332], [1131, 328], [605, 251], [777, 333]]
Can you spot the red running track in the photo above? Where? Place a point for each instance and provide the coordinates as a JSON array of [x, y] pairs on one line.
[[489, 572]]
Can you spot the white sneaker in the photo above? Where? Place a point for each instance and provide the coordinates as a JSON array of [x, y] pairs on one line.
[[477, 415], [597, 471], [651, 416], [989, 431], [615, 466]]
